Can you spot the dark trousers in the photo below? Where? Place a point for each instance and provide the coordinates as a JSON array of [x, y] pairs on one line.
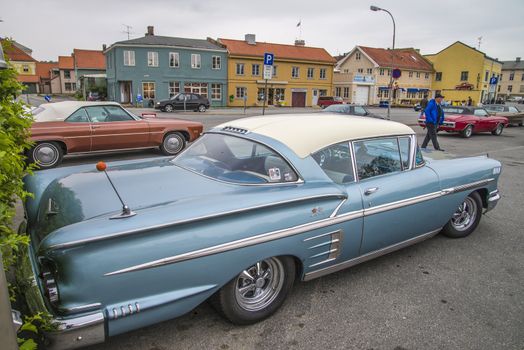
[[431, 135]]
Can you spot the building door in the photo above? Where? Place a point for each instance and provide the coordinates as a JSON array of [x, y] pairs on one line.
[[298, 99], [125, 92], [314, 99], [362, 95]]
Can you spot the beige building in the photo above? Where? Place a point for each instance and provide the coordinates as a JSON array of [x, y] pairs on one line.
[[66, 66], [511, 83], [362, 76]]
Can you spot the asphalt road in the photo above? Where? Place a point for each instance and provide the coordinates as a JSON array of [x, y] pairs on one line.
[[439, 294]]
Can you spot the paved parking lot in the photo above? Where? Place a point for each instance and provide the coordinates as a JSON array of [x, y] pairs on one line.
[[440, 294]]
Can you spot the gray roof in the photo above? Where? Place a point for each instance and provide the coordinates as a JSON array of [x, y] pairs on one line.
[[512, 65], [156, 40]]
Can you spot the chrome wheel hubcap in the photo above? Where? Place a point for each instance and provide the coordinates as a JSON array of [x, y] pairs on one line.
[[465, 215], [169, 108], [172, 144], [45, 154], [259, 285]]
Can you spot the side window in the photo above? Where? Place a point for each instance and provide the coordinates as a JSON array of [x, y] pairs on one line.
[[194, 97], [360, 110], [79, 116], [512, 109], [480, 113], [336, 162], [181, 97], [97, 114], [377, 157], [117, 114], [404, 143], [419, 159]]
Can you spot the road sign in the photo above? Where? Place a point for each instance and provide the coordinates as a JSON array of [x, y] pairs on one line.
[[47, 98], [139, 98], [268, 59], [396, 73], [268, 72], [493, 80]]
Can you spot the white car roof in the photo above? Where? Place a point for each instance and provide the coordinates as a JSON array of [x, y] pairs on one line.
[[308, 133], [58, 111]]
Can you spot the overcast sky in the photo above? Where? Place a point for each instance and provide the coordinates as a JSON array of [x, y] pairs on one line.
[[52, 27]]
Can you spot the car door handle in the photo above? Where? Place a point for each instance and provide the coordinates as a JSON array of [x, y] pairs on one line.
[[95, 126], [370, 190]]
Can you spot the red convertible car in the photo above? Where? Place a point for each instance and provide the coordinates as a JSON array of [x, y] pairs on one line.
[[468, 120]]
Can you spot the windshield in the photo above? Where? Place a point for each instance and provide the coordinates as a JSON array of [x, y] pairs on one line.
[[234, 159], [337, 109]]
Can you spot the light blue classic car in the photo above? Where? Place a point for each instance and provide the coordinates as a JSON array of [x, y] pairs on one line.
[[248, 208]]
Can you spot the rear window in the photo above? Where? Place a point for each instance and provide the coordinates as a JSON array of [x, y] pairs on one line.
[[456, 110]]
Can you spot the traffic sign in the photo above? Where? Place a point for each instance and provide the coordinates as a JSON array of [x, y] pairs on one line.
[[493, 81], [268, 59], [268, 72], [47, 98], [396, 73]]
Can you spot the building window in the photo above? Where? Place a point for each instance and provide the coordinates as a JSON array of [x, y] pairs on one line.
[[498, 89], [410, 74], [438, 76], [501, 77], [240, 68], [196, 88], [418, 75], [388, 71], [521, 78], [370, 70], [322, 73], [486, 76], [67, 74], [381, 71], [148, 90], [68, 87], [464, 76], [360, 70], [511, 76], [174, 59], [346, 70], [322, 92], [25, 68], [255, 69], [241, 92], [346, 92], [510, 88], [357, 56], [411, 94], [152, 59], [174, 88], [216, 62], [129, 58], [275, 71], [426, 76], [294, 72], [280, 94], [310, 73], [522, 88], [195, 60], [338, 91], [383, 93], [216, 92]]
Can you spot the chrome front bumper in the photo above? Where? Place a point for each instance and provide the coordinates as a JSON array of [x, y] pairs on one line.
[[493, 199]]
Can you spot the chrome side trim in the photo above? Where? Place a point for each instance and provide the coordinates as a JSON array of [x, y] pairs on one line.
[[343, 265], [81, 308], [335, 212], [186, 221], [283, 233], [77, 332]]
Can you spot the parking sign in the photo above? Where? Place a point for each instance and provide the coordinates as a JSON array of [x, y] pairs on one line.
[[268, 59]]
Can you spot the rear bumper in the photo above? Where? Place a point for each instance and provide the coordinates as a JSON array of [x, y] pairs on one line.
[[493, 199]]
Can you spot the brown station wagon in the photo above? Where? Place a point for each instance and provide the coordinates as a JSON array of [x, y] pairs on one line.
[[79, 127]]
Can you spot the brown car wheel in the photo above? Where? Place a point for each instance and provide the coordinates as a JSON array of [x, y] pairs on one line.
[[173, 143], [46, 154]]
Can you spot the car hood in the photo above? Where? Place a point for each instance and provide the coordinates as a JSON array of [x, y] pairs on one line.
[[79, 206]]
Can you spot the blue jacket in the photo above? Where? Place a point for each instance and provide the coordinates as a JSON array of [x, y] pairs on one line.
[[431, 113]]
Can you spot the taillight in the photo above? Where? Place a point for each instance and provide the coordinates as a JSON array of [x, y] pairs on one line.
[[49, 283]]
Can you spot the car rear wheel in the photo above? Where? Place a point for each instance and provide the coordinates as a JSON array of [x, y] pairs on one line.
[[257, 292], [466, 218], [498, 130], [169, 108], [201, 108], [46, 155], [173, 143], [467, 132]]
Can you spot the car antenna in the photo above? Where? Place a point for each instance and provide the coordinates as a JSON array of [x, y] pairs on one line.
[[126, 211]]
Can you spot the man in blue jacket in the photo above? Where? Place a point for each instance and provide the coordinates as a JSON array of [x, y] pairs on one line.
[[434, 118]]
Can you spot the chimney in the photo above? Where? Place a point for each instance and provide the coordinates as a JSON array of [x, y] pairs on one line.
[[300, 42], [104, 47], [517, 59], [150, 31], [250, 39]]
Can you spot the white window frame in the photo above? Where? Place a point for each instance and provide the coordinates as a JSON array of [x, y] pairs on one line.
[[255, 69], [152, 59], [196, 61], [346, 92], [216, 62], [310, 73], [242, 90], [216, 92], [149, 91], [240, 68], [369, 71], [175, 57], [357, 56], [322, 73], [129, 58], [173, 88], [295, 72], [275, 70]]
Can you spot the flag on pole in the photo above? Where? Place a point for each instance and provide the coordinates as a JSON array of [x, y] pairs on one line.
[[299, 23]]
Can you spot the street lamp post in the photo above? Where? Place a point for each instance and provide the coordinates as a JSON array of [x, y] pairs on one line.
[[390, 90]]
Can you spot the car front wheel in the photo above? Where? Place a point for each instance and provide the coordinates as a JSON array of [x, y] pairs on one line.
[[173, 143], [46, 155], [498, 130], [202, 108], [466, 218], [169, 108], [257, 292], [467, 132]]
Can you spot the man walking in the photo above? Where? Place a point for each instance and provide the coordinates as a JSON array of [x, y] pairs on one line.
[[423, 104], [434, 118]]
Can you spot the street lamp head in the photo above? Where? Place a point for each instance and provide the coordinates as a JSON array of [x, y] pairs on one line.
[[374, 8]]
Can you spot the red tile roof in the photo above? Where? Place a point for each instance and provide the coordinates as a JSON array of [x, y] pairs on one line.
[[89, 59], [14, 53], [242, 48], [28, 78], [43, 69], [65, 62], [407, 58]]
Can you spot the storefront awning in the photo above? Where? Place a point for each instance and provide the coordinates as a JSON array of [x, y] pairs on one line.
[[383, 88], [413, 90]]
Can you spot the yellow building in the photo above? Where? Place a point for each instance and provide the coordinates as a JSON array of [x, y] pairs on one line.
[[300, 74], [462, 71], [24, 64]]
